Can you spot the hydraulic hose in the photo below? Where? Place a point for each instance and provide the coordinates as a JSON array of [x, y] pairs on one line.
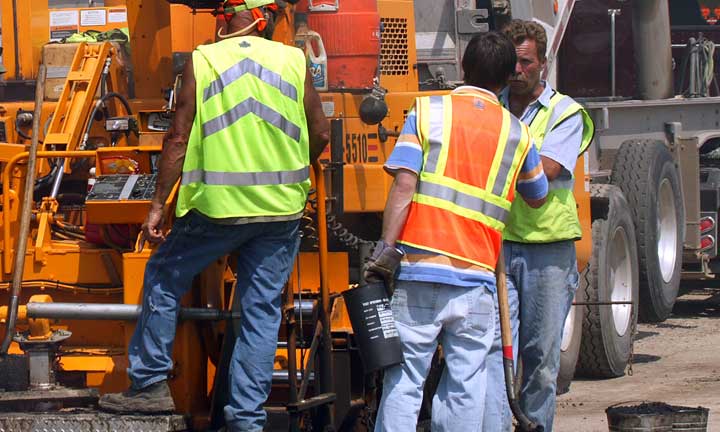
[[99, 104], [25, 217], [524, 423]]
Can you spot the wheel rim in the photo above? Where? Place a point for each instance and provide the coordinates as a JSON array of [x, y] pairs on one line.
[[667, 240], [620, 280], [568, 329]]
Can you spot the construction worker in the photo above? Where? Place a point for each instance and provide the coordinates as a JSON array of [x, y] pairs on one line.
[[456, 164], [539, 244], [247, 125]]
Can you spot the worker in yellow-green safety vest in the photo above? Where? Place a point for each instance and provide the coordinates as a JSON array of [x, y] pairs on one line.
[[539, 244], [248, 124]]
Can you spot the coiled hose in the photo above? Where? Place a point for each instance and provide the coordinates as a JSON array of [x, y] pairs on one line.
[[334, 226]]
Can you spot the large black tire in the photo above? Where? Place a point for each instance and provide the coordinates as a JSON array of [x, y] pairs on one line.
[[611, 276], [648, 176], [570, 346]]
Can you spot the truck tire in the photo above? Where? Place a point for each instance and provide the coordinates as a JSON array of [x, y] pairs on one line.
[[646, 173], [570, 345], [611, 276]]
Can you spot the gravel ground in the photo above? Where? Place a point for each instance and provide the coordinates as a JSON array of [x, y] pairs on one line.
[[676, 362]]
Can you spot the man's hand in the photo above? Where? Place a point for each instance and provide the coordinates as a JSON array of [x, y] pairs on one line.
[[382, 264], [152, 228]]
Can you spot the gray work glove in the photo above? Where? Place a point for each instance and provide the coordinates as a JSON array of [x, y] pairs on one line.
[[382, 264]]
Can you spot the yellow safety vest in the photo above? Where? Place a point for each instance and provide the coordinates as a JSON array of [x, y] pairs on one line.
[[248, 152], [557, 219]]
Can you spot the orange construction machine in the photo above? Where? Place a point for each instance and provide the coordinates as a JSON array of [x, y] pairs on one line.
[[87, 90]]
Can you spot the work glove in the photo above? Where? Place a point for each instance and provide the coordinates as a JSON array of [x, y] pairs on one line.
[[382, 264]]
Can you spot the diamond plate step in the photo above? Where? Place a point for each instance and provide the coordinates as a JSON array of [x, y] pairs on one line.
[[91, 421]]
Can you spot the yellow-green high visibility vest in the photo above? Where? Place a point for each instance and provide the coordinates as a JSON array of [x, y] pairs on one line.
[[248, 152], [557, 219]]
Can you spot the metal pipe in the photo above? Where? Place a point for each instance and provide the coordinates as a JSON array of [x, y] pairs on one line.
[[25, 216], [58, 178], [325, 363], [116, 312], [291, 333], [651, 37], [613, 14]]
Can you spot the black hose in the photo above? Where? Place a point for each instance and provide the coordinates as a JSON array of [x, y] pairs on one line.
[[19, 131], [100, 103]]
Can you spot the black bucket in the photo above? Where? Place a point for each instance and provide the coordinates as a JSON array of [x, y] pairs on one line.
[[646, 417], [657, 416], [374, 327]]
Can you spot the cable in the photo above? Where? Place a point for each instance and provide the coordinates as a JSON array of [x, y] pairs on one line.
[[76, 288]]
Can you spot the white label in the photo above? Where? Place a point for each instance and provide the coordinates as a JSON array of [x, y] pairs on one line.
[[93, 17], [586, 167], [387, 322], [328, 108], [117, 16], [64, 18]]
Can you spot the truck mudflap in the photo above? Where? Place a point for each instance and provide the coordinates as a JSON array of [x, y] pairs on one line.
[[91, 421]]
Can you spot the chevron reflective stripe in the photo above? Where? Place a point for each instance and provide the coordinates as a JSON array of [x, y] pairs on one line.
[[250, 105], [435, 138], [248, 66], [215, 178], [556, 184], [558, 110], [513, 140], [463, 200]]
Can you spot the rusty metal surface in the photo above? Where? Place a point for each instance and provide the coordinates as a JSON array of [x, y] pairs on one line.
[[90, 421]]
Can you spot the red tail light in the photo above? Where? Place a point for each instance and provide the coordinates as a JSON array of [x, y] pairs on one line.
[[706, 224], [707, 242]]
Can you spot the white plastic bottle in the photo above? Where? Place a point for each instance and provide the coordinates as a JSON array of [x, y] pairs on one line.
[[317, 62]]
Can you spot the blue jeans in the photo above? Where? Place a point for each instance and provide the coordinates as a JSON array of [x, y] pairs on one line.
[[461, 319], [544, 277], [266, 252]]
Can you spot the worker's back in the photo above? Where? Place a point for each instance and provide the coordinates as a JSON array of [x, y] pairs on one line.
[[248, 150]]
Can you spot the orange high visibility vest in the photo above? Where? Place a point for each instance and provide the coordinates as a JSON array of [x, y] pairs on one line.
[[473, 150]]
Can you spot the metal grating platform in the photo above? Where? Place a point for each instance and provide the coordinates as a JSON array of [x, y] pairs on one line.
[[90, 421]]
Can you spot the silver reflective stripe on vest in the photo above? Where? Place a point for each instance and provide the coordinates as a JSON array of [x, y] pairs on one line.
[[558, 111], [559, 184], [248, 66], [215, 178], [513, 140], [437, 122], [463, 200], [246, 107]]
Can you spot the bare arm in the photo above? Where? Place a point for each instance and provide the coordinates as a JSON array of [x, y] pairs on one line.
[[318, 125], [398, 205], [173, 155], [176, 139], [552, 169]]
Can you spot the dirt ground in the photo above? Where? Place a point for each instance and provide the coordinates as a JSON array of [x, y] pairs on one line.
[[677, 362]]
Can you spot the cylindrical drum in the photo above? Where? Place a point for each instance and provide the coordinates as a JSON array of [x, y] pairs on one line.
[[374, 327]]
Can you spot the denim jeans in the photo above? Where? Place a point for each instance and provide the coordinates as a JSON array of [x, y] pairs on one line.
[[461, 320], [266, 252], [544, 277]]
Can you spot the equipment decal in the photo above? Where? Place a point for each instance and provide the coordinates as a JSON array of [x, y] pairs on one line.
[[356, 148]]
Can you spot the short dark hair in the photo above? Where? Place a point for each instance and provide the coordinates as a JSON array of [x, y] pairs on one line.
[[489, 60]]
